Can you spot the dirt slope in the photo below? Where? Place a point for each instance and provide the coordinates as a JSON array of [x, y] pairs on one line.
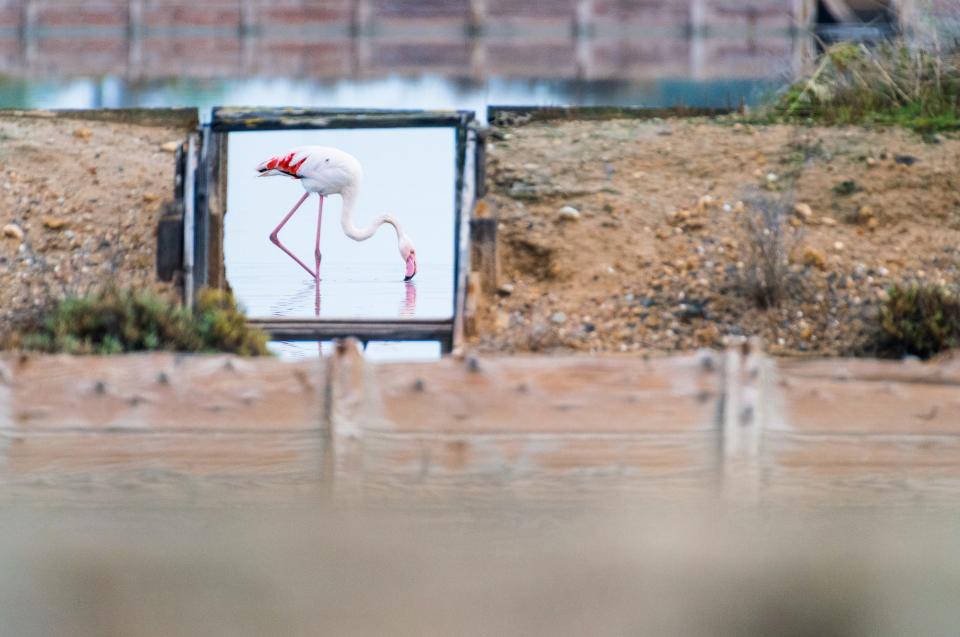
[[79, 204], [654, 256]]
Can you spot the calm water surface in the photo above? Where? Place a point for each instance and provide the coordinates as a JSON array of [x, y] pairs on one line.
[[408, 173]]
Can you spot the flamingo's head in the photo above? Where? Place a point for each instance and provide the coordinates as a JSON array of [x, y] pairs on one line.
[[409, 256]]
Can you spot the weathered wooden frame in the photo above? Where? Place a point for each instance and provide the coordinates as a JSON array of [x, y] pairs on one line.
[[211, 198]]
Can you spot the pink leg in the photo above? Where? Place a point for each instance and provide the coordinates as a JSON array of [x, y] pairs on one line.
[[276, 240], [316, 250]]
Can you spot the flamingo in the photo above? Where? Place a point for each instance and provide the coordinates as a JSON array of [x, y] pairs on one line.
[[331, 171]]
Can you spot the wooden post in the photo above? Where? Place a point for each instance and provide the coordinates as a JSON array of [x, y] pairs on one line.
[[28, 32], [135, 28], [190, 222], [349, 404], [248, 17], [216, 197], [360, 29], [170, 244], [249, 28], [361, 18], [476, 18], [747, 373], [698, 32], [483, 246], [804, 13]]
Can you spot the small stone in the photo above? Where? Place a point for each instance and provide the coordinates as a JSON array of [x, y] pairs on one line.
[[506, 289], [871, 162], [772, 178], [883, 295], [828, 221], [54, 223], [170, 147], [813, 257], [804, 211], [13, 231], [559, 318], [905, 160], [882, 271], [838, 246], [873, 223], [151, 197], [83, 133], [569, 213], [738, 127]]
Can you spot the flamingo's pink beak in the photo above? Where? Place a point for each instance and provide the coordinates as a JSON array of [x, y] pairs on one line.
[[411, 266]]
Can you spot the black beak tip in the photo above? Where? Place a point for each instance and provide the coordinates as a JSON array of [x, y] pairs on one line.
[[407, 278]]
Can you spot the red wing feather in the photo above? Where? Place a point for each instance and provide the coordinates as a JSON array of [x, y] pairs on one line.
[[286, 164]]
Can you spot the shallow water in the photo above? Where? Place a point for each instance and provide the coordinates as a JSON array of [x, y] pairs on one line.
[[376, 351], [407, 172], [426, 92], [345, 291]]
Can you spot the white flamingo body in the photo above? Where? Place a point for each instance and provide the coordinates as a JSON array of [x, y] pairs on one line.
[[331, 171]]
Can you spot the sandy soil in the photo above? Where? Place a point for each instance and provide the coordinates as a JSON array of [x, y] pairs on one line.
[[79, 205], [655, 254]]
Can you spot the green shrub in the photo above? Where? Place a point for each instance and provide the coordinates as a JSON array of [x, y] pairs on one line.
[[114, 320], [919, 320], [892, 83]]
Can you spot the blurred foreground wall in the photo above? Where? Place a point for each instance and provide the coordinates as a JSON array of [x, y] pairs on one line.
[[734, 425]]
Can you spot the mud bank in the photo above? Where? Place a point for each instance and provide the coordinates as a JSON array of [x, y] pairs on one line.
[[626, 235], [81, 195]]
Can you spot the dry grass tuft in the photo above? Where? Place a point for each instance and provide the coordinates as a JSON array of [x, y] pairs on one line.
[[765, 275], [890, 83]]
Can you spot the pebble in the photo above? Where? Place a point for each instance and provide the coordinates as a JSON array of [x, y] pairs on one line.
[[83, 133], [506, 289], [13, 231], [54, 223], [772, 178], [559, 318], [151, 197], [170, 147], [838, 246], [569, 213], [813, 257], [804, 211], [828, 221]]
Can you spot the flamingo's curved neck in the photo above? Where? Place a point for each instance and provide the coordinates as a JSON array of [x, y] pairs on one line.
[[362, 234]]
